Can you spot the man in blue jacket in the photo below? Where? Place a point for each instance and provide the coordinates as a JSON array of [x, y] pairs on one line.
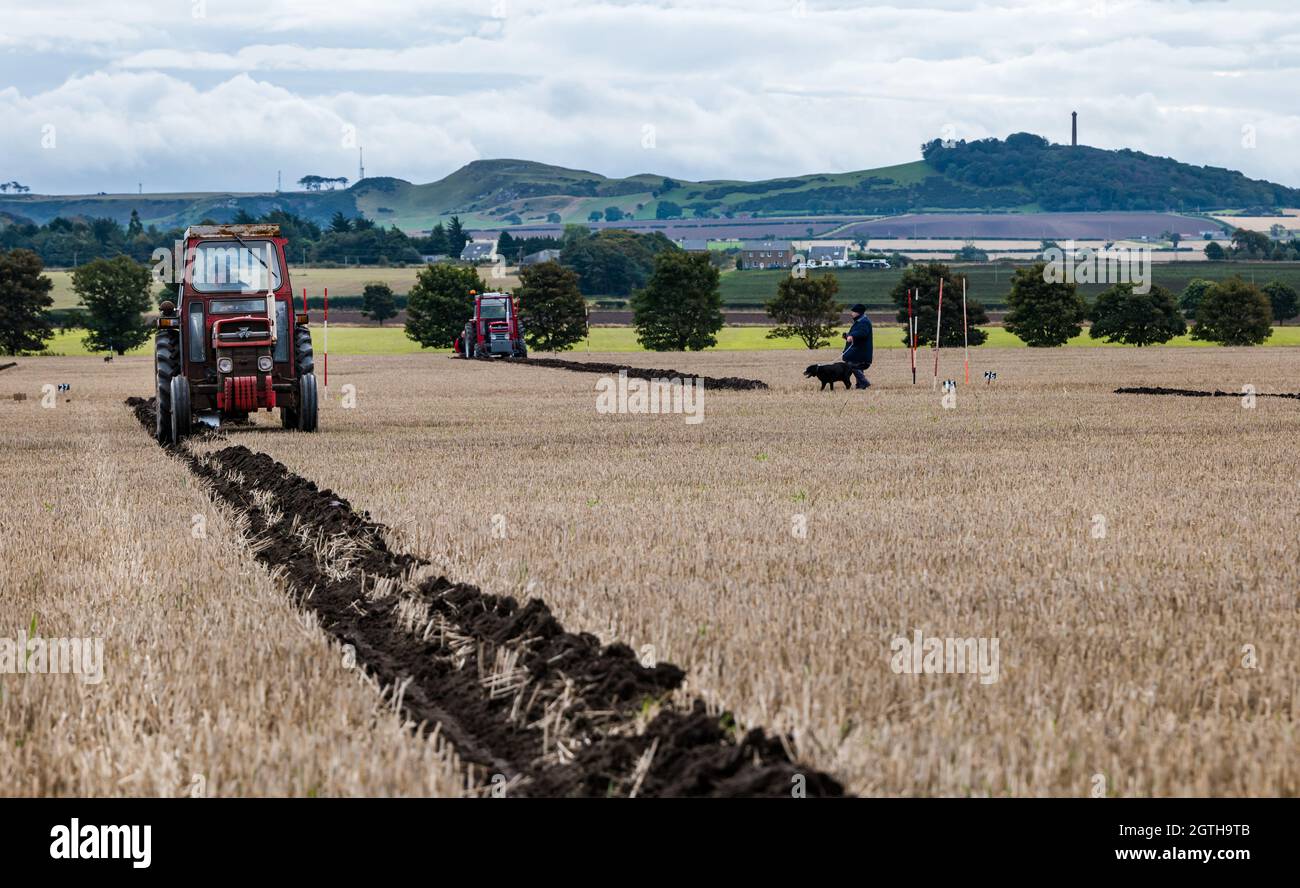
[[858, 351]]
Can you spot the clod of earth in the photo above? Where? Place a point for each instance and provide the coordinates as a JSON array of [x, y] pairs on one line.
[[552, 712], [1193, 393], [736, 383], [7, 366]]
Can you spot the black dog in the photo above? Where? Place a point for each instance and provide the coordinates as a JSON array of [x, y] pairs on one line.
[[829, 374]]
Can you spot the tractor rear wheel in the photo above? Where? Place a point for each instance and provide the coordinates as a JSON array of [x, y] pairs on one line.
[[166, 364], [307, 403], [182, 418]]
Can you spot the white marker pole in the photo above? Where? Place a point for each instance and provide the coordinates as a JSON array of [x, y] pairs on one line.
[[327, 345], [965, 331], [938, 327]]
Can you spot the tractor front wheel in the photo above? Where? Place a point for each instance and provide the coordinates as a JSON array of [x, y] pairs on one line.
[[307, 403], [304, 360], [182, 418], [166, 364], [302, 416]]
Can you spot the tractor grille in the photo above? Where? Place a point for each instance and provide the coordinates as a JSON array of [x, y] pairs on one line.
[[251, 331]]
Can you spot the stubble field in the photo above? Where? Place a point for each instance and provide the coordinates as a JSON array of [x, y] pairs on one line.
[[1132, 556]]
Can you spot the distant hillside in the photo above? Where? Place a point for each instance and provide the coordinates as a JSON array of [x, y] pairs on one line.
[[1023, 173], [1062, 177], [169, 210]]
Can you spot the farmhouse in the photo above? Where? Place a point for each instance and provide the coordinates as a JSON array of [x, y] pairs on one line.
[[479, 251], [828, 255], [766, 254], [539, 257]]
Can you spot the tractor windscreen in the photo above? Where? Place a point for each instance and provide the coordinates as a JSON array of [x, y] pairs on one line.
[[493, 310], [230, 267]]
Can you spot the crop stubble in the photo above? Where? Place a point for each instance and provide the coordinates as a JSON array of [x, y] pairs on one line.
[[1121, 656], [537, 710]]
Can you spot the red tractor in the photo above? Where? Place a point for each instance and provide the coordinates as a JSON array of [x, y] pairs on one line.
[[494, 331], [231, 344]]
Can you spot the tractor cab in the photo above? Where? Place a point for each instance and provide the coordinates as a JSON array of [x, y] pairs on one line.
[[232, 344], [494, 330]]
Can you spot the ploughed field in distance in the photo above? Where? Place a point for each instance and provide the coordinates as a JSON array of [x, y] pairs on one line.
[[1133, 557]]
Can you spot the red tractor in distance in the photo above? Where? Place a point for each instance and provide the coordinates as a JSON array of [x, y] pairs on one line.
[[494, 331], [231, 344]]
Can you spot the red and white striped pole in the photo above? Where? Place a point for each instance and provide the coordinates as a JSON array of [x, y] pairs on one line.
[[327, 343], [965, 331], [938, 329], [911, 335]]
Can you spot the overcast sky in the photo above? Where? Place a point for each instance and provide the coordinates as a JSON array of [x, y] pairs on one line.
[[201, 95]]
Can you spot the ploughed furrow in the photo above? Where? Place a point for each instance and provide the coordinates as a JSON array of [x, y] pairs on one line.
[[538, 710], [1197, 393], [737, 383]]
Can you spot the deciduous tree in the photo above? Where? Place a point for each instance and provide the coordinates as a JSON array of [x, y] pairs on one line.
[[116, 294], [440, 303], [680, 308], [24, 296], [1122, 315], [806, 308], [551, 308], [378, 302], [1043, 314], [923, 280], [1234, 312]]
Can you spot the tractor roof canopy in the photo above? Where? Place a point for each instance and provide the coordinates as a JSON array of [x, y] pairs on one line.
[[260, 229]]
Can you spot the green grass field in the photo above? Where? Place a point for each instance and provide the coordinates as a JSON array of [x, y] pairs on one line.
[[393, 341], [989, 284]]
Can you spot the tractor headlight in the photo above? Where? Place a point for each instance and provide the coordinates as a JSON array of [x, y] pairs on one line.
[[225, 365], [264, 363]]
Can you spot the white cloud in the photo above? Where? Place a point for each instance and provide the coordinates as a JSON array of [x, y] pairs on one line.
[[733, 89]]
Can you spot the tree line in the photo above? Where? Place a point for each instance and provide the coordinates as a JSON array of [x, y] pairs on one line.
[[1257, 245], [675, 298], [114, 295], [679, 308], [1045, 314], [66, 243]]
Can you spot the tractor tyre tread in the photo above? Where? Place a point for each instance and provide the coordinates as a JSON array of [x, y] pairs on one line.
[[304, 359], [166, 361]]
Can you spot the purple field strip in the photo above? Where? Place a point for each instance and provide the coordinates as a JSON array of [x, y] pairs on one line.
[[702, 229], [1056, 226], [1035, 226]]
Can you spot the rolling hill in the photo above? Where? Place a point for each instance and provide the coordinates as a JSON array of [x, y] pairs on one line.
[[1023, 173]]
